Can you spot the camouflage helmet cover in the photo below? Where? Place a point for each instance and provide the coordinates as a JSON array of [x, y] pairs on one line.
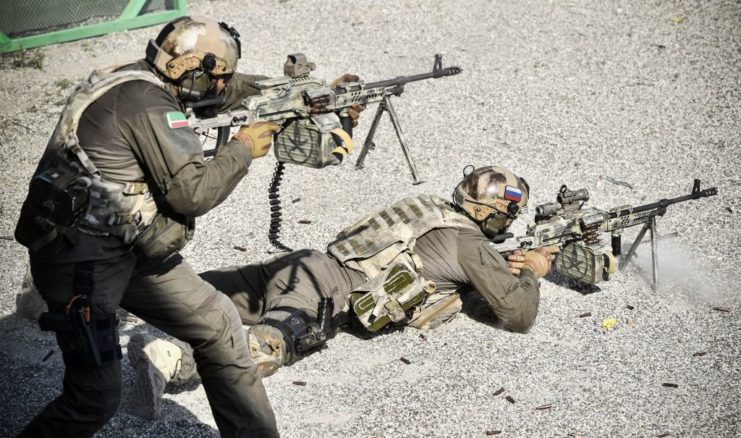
[[492, 196], [184, 43]]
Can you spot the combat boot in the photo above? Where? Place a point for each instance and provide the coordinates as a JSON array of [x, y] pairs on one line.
[[156, 362], [267, 349]]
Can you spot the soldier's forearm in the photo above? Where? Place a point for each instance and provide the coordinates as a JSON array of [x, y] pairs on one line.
[[199, 187], [518, 310]]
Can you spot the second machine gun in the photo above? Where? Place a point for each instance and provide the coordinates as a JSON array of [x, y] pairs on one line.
[[584, 255]]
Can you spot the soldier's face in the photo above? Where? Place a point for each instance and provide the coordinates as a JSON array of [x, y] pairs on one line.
[[495, 224]]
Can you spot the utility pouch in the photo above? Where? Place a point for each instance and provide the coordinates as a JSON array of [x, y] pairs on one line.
[[387, 298], [61, 193], [57, 198], [164, 236]]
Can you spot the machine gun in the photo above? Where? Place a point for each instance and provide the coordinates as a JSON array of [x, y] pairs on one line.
[[316, 126], [584, 255], [314, 116]]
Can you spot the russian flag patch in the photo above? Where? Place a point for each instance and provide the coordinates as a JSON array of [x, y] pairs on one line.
[[176, 119], [512, 193]]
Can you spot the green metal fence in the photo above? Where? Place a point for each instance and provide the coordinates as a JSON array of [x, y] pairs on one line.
[[26, 24]]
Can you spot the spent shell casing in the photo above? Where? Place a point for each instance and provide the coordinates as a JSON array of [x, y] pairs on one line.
[[240, 248], [584, 315], [498, 391], [629, 307], [304, 222], [700, 353], [510, 399], [665, 434], [405, 360], [293, 201], [493, 432], [299, 383], [48, 355], [670, 385], [544, 407]]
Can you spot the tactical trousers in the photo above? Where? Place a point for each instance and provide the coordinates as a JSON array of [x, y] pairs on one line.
[[294, 281], [170, 296]]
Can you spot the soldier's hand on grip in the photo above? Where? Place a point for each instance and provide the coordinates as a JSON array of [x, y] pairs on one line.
[[539, 260], [257, 137], [354, 113], [355, 110], [347, 77], [516, 262]]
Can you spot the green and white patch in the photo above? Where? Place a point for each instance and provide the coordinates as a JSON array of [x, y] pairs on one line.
[[176, 119]]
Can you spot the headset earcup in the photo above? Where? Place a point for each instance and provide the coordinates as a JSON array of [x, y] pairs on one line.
[[194, 85]]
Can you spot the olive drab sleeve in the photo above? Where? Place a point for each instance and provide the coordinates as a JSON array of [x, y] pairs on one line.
[[514, 300], [172, 157], [240, 87]]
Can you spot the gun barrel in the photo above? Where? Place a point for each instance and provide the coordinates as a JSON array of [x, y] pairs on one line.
[[660, 206], [401, 80]]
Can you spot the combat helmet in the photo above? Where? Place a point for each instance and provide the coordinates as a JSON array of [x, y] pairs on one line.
[[192, 52], [492, 196]]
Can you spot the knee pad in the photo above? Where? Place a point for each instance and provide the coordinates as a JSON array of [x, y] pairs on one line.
[[302, 332], [87, 335], [267, 349]]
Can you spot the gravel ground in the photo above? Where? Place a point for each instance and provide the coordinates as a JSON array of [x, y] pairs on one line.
[[562, 92]]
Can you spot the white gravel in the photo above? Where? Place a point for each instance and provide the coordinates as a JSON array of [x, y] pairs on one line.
[[562, 92]]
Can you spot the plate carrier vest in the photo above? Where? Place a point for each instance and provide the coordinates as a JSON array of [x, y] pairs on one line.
[[381, 246], [119, 209]]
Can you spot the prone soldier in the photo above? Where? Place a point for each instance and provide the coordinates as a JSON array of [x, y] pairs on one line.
[[407, 264]]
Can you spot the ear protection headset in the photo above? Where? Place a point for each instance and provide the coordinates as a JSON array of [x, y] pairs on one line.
[[195, 72]]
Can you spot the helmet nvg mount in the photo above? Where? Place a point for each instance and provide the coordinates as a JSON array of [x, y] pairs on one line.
[[193, 52], [492, 196]]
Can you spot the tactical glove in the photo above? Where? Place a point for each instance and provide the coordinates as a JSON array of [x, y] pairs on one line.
[[354, 113], [539, 260], [347, 77], [258, 137], [355, 110]]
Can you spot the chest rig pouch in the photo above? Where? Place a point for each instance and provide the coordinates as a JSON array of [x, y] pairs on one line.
[[57, 199], [382, 247], [69, 194]]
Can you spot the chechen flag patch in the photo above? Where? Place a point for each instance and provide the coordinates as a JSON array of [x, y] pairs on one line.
[[176, 119], [512, 193]]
